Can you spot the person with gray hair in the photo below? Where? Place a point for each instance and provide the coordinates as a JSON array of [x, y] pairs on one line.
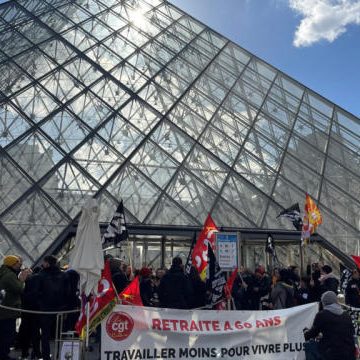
[[335, 325]]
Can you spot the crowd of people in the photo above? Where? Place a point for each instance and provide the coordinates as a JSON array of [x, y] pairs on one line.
[[51, 289]]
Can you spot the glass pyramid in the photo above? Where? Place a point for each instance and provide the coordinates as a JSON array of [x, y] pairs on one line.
[[137, 100]]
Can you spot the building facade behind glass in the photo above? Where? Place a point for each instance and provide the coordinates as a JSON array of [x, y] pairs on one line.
[[137, 100]]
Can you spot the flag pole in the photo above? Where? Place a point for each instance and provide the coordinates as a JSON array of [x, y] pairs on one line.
[[87, 324]]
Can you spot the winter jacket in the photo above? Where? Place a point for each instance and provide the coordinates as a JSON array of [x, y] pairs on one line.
[[13, 288], [175, 289], [337, 342], [53, 289], [352, 293], [329, 282], [282, 295]]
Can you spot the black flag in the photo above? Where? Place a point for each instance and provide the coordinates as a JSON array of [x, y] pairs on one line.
[[293, 214], [270, 246], [116, 231], [345, 276], [189, 260], [215, 279]]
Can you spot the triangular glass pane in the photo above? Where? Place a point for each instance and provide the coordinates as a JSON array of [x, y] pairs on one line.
[[306, 153], [69, 188], [83, 71], [98, 159], [192, 123], [264, 149], [121, 135], [191, 194], [156, 97], [172, 141], [154, 163], [140, 115], [246, 198], [166, 211], [230, 125], [62, 86], [12, 183], [35, 103], [57, 50], [12, 124], [90, 109], [301, 175], [138, 193], [103, 57], [206, 168], [110, 92], [35, 223], [339, 232], [129, 76], [12, 79], [255, 171], [342, 204], [225, 215], [345, 156], [343, 178], [219, 144], [35, 154], [65, 130]]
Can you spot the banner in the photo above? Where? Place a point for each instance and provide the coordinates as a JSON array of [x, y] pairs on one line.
[[355, 317], [134, 333]]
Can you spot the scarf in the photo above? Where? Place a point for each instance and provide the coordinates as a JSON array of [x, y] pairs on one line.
[[334, 308]]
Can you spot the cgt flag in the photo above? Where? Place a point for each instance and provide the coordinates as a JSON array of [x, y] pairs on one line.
[[215, 280], [100, 304], [116, 231], [199, 254], [293, 214], [131, 294], [312, 219]]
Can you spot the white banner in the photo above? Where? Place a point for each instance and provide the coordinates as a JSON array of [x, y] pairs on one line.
[[139, 333]]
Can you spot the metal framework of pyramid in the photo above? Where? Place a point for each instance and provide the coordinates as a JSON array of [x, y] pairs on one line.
[[137, 100]]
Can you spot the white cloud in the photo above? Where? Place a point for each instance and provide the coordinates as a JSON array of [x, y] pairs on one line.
[[324, 19]]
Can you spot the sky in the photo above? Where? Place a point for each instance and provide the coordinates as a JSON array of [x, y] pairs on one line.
[[317, 42]]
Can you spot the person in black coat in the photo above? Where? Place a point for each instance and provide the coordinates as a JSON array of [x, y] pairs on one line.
[[352, 291], [52, 294], [337, 342], [146, 286], [175, 289], [198, 298], [328, 281], [243, 291]]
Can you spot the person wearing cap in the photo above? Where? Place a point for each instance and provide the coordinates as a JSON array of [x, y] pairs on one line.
[[335, 325], [262, 286], [12, 282]]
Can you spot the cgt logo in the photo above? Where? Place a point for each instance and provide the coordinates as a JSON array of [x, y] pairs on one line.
[[119, 326]]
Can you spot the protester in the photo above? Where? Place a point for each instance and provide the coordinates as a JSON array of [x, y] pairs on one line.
[[352, 291], [159, 274], [52, 293], [146, 286], [262, 286], [118, 276], [335, 325], [175, 288], [282, 295], [302, 293], [29, 331], [243, 290], [328, 281], [12, 282], [198, 298]]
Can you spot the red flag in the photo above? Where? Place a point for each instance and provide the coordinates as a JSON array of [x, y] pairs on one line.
[[131, 294], [312, 218], [357, 260], [199, 255], [230, 283], [100, 304]]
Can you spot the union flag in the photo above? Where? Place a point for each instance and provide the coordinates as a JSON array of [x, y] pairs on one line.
[[131, 294], [199, 256], [100, 304], [312, 219]]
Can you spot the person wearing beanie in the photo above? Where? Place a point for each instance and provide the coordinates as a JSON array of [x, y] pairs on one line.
[[12, 282], [335, 325]]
